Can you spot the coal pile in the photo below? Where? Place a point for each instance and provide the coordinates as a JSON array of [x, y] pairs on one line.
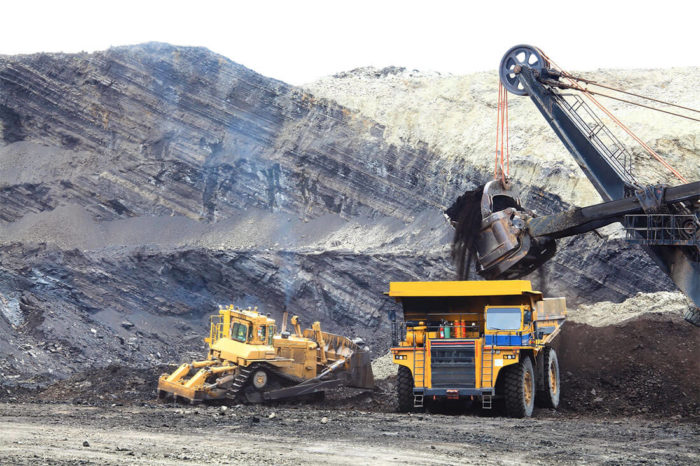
[[466, 213], [109, 385], [647, 365]]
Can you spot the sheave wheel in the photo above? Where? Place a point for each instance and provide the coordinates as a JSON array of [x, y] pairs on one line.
[[549, 396], [404, 389], [520, 55], [519, 387]]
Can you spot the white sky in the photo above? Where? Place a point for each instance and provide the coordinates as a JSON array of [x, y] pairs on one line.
[[300, 41]]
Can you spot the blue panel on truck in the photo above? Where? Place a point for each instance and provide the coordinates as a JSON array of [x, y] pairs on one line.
[[508, 340]]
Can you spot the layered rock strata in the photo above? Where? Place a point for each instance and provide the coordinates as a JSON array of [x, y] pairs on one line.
[[142, 186]]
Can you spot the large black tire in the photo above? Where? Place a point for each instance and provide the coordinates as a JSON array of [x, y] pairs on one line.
[[404, 389], [548, 397], [519, 389]]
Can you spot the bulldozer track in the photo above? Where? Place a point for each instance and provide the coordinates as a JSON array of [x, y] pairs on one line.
[[239, 381]]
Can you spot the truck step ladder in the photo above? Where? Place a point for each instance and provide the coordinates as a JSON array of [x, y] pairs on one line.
[[418, 376], [487, 375]]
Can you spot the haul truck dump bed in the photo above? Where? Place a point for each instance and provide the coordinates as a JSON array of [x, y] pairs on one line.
[[476, 339]]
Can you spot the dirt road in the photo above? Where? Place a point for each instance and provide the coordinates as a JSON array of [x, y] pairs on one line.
[[158, 434]]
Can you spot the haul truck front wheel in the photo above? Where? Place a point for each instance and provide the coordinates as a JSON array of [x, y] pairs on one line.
[[519, 389], [549, 396], [404, 389]]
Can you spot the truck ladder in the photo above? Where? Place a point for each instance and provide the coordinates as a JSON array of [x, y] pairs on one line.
[[418, 376], [487, 375]]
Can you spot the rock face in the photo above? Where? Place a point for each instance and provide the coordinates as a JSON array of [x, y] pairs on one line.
[[151, 183], [456, 117]]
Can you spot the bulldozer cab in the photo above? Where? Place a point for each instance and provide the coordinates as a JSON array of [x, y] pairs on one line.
[[241, 325]]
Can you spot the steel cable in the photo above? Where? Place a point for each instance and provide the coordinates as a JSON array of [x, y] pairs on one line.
[[595, 83], [585, 92]]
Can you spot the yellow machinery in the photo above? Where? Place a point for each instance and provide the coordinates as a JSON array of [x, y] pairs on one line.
[[249, 361], [479, 340]]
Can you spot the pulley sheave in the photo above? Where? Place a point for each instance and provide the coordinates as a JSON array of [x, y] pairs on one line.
[[520, 55]]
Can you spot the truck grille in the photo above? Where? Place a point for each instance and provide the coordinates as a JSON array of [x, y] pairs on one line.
[[452, 366]]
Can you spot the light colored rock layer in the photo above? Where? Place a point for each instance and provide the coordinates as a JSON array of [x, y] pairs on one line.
[[607, 313], [456, 116]]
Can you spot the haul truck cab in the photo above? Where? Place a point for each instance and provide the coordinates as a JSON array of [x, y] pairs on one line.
[[476, 339]]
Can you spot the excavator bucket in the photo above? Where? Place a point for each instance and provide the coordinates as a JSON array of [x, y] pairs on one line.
[[491, 228]]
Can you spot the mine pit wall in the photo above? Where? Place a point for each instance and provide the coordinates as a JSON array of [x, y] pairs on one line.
[[158, 131], [72, 303]]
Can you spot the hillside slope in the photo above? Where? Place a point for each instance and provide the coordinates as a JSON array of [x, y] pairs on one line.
[[142, 186], [456, 117]]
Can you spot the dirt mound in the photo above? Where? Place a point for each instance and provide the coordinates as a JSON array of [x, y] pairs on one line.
[[383, 367], [648, 365], [113, 384]]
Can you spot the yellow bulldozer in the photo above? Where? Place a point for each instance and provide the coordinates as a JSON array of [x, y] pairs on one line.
[[249, 361]]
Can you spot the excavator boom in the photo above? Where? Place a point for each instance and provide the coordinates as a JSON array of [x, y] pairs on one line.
[[513, 242]]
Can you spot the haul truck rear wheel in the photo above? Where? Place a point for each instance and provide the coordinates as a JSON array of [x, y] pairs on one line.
[[404, 389], [549, 396], [519, 388]]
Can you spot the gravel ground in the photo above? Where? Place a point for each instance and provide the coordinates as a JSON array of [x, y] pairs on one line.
[[165, 434]]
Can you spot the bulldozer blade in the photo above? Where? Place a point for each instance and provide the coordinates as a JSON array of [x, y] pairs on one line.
[[361, 375], [301, 389]]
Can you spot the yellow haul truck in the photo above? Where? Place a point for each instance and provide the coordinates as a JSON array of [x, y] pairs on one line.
[[249, 361], [479, 340]]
